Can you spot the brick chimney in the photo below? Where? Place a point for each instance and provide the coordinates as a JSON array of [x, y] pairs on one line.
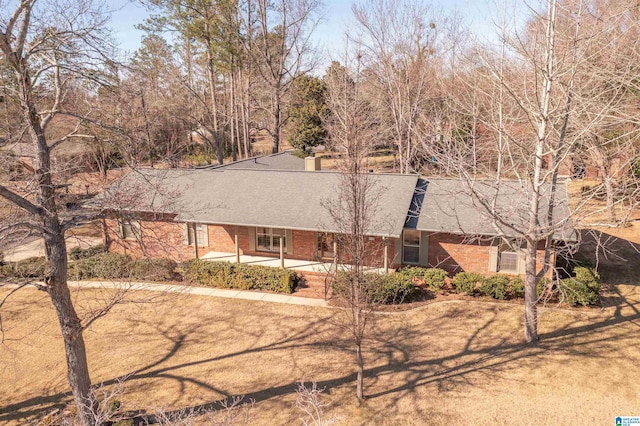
[[312, 164]]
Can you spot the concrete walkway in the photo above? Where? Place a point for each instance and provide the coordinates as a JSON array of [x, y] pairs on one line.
[[202, 291], [36, 247]]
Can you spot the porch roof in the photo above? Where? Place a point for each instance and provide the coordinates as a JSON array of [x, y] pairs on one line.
[[268, 198]]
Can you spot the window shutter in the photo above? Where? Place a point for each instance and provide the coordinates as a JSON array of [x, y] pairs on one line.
[[252, 238], [397, 251], [120, 229], [185, 233], [288, 241], [493, 255], [205, 235], [522, 264], [424, 248]]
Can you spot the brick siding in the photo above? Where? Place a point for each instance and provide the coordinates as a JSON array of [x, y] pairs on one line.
[[452, 253], [456, 253], [157, 239]]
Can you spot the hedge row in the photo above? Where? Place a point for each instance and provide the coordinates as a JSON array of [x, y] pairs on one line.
[[99, 266], [239, 276], [32, 267], [384, 289], [583, 289], [119, 266]]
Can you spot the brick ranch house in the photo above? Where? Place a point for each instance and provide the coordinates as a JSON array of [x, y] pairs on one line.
[[273, 210]]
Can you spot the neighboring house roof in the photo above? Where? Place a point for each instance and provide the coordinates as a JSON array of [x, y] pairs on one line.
[[453, 206], [269, 198], [285, 160]]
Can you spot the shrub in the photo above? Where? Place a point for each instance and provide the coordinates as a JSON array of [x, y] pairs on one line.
[[239, 276], [101, 266], [111, 265], [414, 272], [544, 288], [465, 282], [516, 288], [153, 269], [32, 267], [77, 253], [385, 289], [434, 278], [587, 275], [584, 289], [577, 292], [495, 286], [392, 289]]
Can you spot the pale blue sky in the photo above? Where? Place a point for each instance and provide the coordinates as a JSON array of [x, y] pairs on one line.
[[329, 34]]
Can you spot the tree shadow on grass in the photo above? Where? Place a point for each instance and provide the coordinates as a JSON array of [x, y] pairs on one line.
[[400, 365], [176, 337]]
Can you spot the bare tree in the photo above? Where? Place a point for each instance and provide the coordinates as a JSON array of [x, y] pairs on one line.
[[402, 48], [528, 97], [51, 47], [309, 401], [277, 43], [351, 130]]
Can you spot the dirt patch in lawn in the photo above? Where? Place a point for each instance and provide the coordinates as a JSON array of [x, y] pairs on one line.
[[443, 363]]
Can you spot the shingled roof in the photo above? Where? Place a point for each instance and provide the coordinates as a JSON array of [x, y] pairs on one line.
[[452, 206], [285, 160], [299, 200], [269, 198]]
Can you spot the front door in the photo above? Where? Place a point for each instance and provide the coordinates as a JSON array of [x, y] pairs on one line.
[[325, 243]]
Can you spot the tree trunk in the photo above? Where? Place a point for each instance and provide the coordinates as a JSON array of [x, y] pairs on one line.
[[236, 113], [74, 347], [530, 296], [211, 76], [611, 201], [360, 376], [56, 255], [244, 106], [276, 121], [232, 127], [106, 239]]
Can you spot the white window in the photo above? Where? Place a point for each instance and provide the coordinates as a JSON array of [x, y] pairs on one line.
[[197, 231], [411, 247], [508, 255], [129, 229], [268, 239]]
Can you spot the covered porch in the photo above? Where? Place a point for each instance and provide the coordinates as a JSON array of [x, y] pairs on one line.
[[277, 262]]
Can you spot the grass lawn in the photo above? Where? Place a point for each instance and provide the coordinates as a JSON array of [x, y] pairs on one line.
[[444, 363]]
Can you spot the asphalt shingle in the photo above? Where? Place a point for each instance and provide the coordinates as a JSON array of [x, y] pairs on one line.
[[454, 206], [278, 199]]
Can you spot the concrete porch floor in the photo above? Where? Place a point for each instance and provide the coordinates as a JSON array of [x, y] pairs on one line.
[[274, 262]]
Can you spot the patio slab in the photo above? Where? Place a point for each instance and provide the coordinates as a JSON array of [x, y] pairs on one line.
[[274, 262]]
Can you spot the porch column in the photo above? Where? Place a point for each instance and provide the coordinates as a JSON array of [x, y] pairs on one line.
[[195, 240], [237, 245], [386, 255], [282, 252], [335, 247]]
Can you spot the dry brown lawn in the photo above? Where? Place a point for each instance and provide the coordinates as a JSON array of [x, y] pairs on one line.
[[450, 362]]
